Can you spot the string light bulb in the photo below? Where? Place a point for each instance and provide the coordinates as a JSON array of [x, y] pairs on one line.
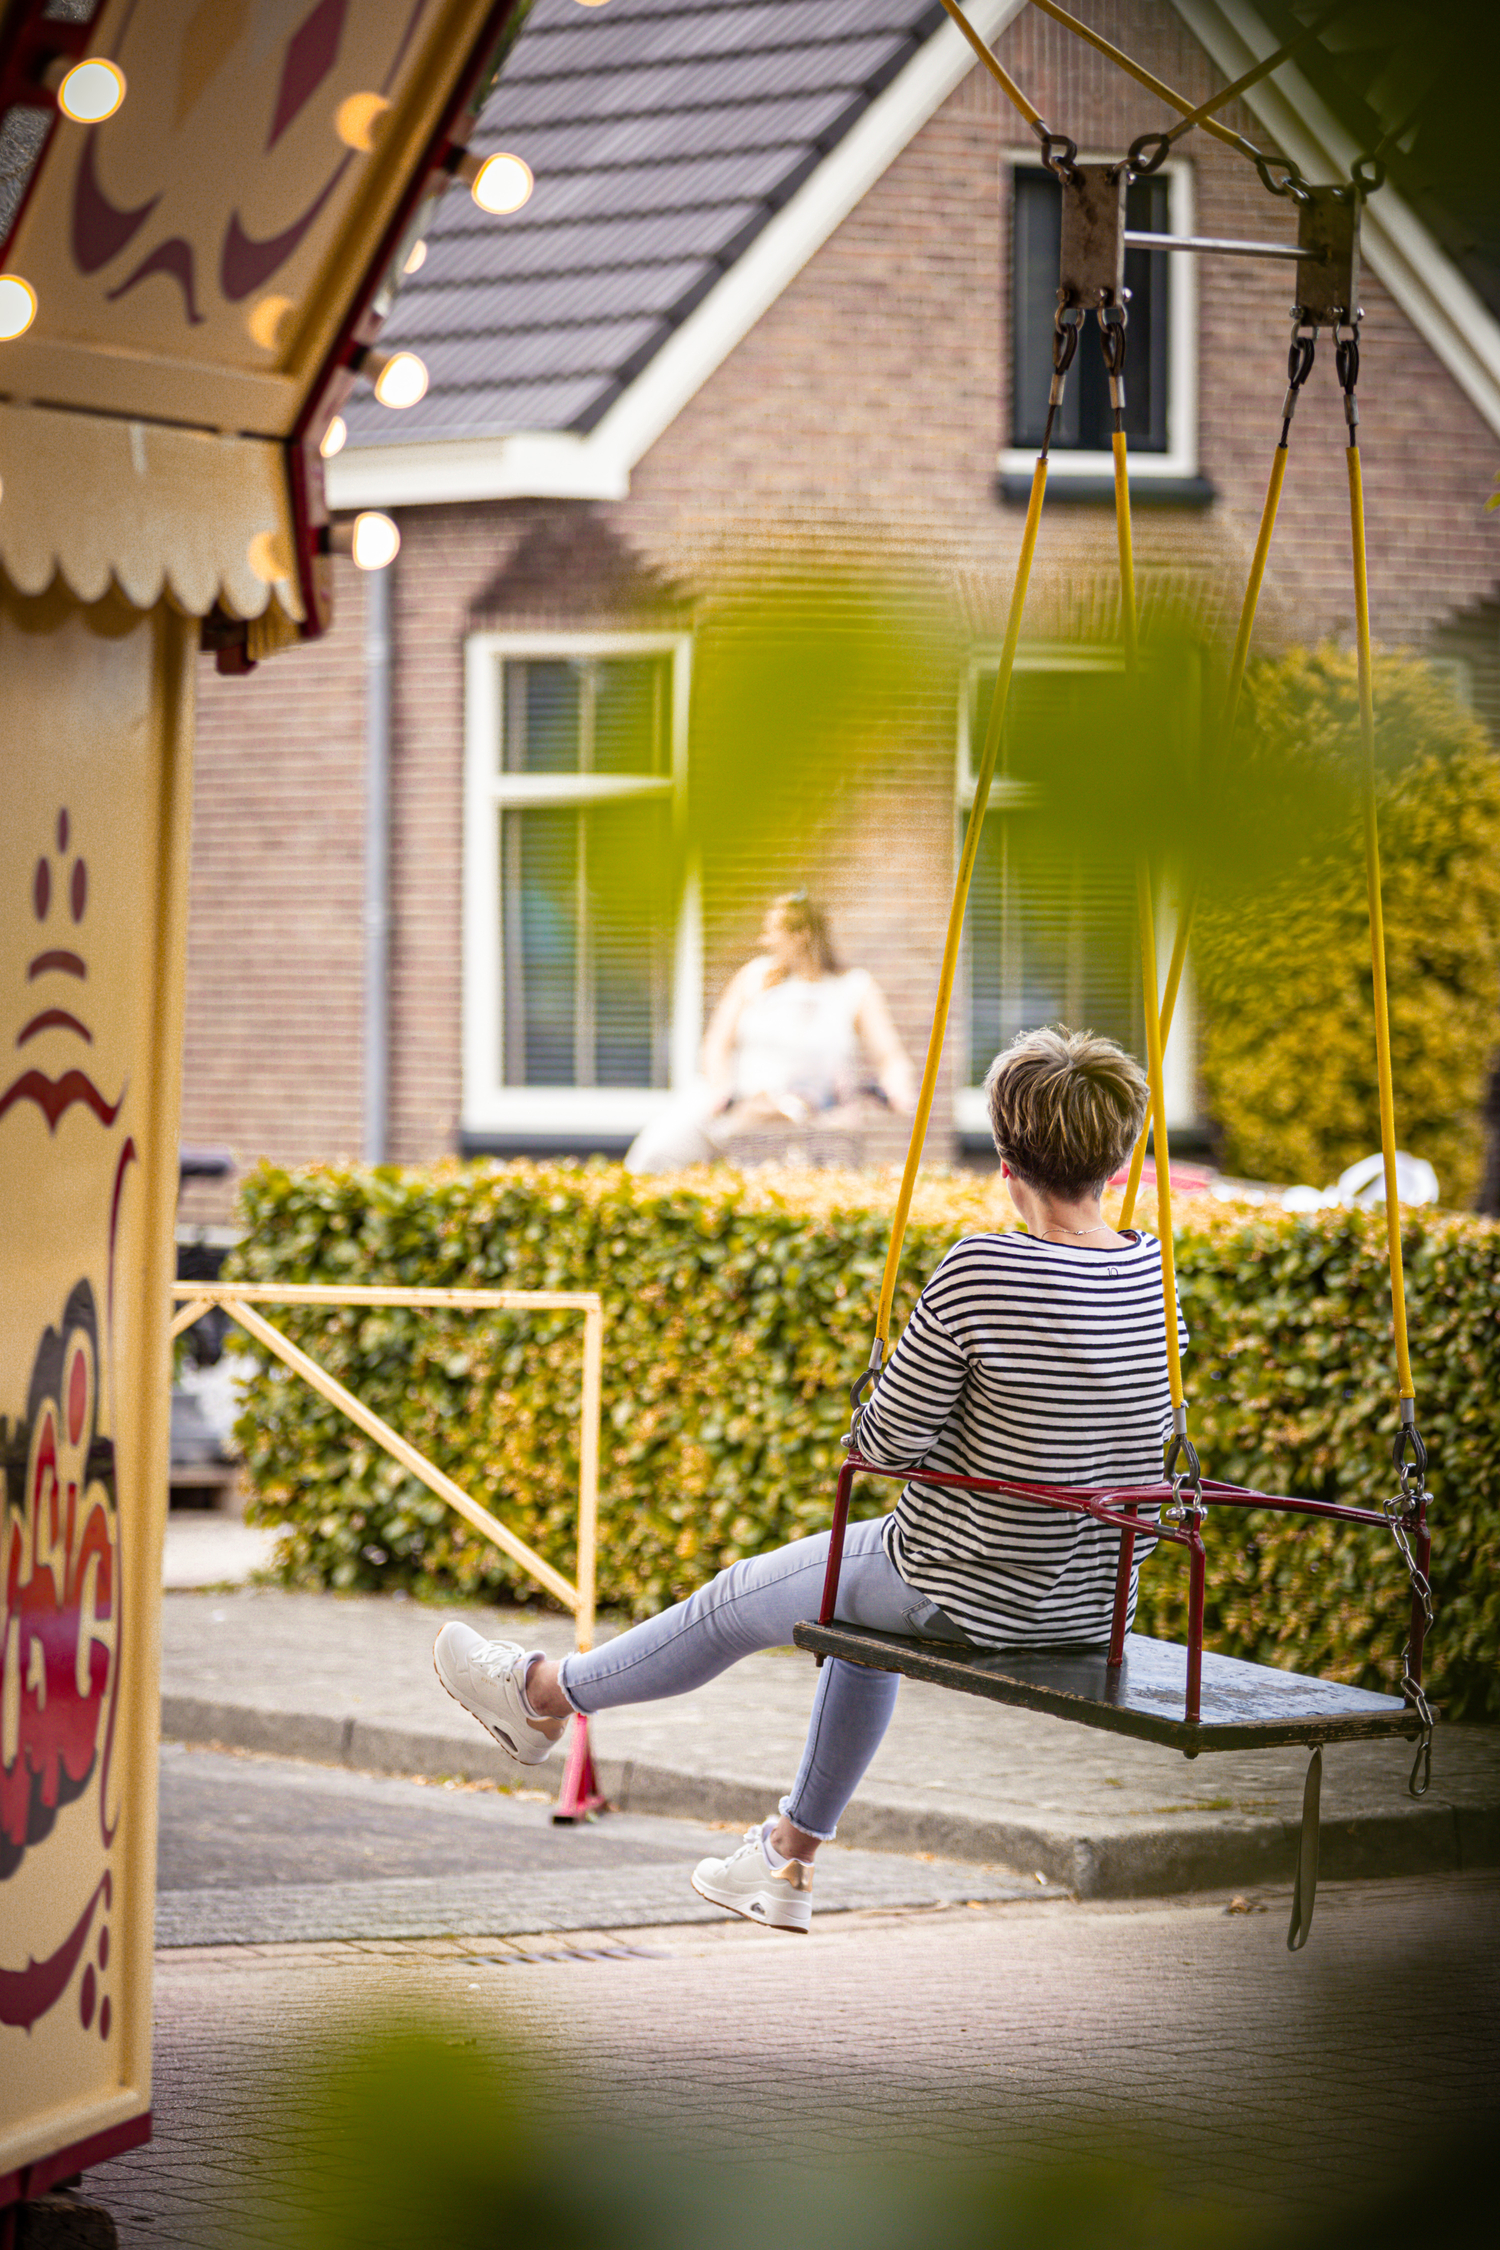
[[376, 541], [17, 306], [402, 380], [91, 91], [416, 258], [335, 437], [503, 184]]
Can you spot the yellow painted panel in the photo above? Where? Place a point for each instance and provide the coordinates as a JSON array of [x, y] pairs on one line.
[[155, 509], [193, 255], [95, 746]]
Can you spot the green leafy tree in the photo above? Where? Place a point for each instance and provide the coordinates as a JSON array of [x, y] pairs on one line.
[[1283, 967]]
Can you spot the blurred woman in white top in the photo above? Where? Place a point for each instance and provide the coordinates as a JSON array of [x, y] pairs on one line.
[[795, 1040]]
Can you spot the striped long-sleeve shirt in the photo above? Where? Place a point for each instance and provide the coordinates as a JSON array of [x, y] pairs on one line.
[[1040, 1363]]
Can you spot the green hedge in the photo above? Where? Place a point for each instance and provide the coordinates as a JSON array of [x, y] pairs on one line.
[[737, 1311]]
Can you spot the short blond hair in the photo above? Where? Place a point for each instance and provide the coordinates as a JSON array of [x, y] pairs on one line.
[[1066, 1108]]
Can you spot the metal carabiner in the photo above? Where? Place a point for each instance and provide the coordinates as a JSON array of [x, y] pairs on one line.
[[1177, 1510], [1409, 1434]]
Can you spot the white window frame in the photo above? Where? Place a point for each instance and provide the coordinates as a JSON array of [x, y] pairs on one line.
[[1178, 1072], [1181, 457], [489, 1105]]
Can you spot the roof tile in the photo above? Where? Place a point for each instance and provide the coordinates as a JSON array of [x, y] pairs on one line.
[[663, 136]]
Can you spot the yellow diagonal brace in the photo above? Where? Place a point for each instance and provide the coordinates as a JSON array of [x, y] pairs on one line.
[[400, 1450]]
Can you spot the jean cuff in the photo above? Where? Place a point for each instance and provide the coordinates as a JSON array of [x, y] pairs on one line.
[[824, 1835], [562, 1680]]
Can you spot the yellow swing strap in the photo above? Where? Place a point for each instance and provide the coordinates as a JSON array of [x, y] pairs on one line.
[[1377, 918], [972, 835], [1155, 1038], [1248, 607], [997, 71]]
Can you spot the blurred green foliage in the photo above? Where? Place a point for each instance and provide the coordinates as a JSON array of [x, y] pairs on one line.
[[737, 1312], [399, 2133], [416, 2134], [1283, 959]]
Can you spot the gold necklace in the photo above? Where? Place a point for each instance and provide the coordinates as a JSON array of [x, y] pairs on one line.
[[1100, 1226]]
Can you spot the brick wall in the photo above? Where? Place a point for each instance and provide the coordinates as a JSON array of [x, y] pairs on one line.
[[868, 402], [272, 1052]]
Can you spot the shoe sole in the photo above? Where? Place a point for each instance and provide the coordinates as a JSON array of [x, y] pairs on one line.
[[522, 1765], [761, 1921]]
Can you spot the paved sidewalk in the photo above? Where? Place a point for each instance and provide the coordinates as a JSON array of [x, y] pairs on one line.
[[348, 1680]]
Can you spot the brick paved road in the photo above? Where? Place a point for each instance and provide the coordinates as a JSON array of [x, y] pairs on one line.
[[1264, 2079], [257, 1850]]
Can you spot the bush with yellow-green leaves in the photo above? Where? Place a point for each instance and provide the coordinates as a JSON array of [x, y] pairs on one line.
[[737, 1312], [1283, 970]]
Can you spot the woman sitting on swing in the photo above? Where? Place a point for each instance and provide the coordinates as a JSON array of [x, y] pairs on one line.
[[1035, 1357]]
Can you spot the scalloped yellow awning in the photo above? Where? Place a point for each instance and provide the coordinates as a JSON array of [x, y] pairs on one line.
[[153, 509]]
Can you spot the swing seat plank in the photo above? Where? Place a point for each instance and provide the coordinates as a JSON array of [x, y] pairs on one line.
[[1244, 1706]]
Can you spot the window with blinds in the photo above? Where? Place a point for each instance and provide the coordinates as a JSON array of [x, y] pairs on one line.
[[1084, 423], [583, 801], [1051, 930]]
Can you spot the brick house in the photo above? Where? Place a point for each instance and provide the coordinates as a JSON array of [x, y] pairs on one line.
[[788, 270]]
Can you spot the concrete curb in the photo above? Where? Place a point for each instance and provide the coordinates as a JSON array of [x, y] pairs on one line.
[[1140, 1858]]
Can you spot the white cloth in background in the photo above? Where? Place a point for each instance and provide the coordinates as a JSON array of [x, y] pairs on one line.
[[800, 1037]]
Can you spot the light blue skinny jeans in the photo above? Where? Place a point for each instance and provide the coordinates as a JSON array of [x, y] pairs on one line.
[[754, 1605]]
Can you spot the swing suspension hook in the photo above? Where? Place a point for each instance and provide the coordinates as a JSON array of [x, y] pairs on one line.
[[1291, 181], [1112, 339], [857, 1400], [1346, 359], [1146, 154], [1367, 174], [1299, 365], [1059, 154]]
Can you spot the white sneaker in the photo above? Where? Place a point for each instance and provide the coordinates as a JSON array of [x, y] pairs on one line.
[[747, 1883], [486, 1678]]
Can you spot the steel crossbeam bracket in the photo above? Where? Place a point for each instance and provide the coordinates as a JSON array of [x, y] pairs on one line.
[[1091, 269]]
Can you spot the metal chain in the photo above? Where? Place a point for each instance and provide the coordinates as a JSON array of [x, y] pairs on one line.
[[1401, 1512], [1422, 1763]]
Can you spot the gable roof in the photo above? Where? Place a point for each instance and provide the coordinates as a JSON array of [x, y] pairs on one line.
[[690, 157], [663, 136]]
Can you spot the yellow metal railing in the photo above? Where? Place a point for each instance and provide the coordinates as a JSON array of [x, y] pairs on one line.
[[239, 1299]]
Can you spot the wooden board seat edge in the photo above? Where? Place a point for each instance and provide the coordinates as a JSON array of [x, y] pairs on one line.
[[1244, 1706]]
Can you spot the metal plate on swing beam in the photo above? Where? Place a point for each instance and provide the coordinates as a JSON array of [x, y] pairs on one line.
[[1244, 1706]]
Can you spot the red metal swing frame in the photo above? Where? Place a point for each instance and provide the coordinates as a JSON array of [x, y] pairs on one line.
[[1118, 1507]]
